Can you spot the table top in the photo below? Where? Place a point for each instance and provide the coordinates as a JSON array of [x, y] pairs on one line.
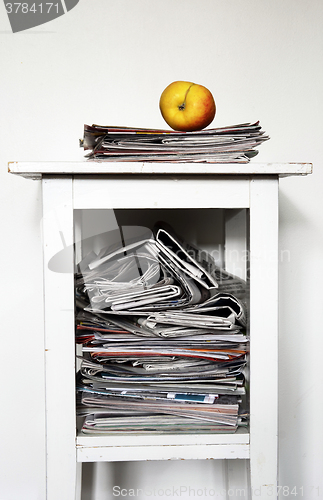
[[36, 170]]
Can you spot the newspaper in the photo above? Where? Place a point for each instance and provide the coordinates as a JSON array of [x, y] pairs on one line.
[[163, 343], [235, 143]]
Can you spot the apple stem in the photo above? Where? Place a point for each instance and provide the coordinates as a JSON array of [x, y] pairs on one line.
[[182, 106]]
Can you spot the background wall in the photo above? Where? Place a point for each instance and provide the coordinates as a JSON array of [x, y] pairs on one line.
[[107, 62]]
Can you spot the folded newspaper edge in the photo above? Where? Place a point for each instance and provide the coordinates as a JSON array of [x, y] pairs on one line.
[[232, 144]]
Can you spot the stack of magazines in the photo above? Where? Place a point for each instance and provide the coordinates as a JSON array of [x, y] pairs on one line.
[[233, 144], [163, 336]]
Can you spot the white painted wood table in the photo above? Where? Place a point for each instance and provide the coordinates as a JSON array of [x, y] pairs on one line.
[[247, 198]]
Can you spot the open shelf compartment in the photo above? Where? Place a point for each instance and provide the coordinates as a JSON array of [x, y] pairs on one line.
[[223, 233]]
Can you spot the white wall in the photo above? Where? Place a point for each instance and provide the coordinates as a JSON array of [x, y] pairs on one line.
[[107, 62]]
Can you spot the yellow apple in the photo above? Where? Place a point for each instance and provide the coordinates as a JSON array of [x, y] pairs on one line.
[[187, 106]]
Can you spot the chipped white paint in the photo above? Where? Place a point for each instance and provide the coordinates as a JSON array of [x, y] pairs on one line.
[[35, 170]]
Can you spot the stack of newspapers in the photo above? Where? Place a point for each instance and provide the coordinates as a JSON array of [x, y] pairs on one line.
[[162, 331], [233, 144]]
